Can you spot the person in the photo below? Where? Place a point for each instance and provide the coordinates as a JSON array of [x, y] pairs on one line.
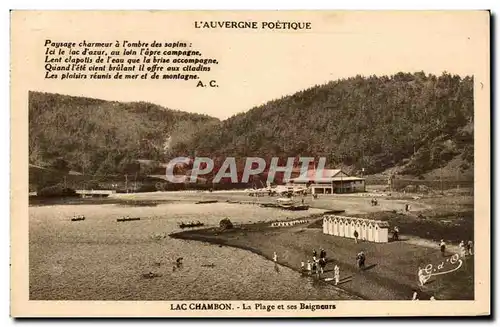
[[336, 274], [322, 265], [356, 235], [395, 235], [442, 245], [322, 254], [432, 298], [361, 259], [461, 248], [302, 266], [314, 267], [469, 247], [407, 207], [315, 255], [421, 276], [302, 201], [415, 296], [275, 257], [308, 267]]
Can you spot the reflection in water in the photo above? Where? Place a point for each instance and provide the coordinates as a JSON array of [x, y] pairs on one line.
[[100, 259]]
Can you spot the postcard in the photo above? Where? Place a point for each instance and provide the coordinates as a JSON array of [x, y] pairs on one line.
[[250, 163]]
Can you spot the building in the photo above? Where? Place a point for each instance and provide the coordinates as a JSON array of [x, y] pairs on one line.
[[329, 181], [368, 230]]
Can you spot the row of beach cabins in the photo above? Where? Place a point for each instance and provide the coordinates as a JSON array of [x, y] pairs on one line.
[[366, 229]]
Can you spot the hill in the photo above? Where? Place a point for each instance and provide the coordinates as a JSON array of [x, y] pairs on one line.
[[414, 122], [103, 137]]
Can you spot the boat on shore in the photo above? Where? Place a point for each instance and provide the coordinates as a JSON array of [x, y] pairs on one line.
[[285, 206], [127, 219], [289, 204], [207, 201], [190, 225], [295, 207]]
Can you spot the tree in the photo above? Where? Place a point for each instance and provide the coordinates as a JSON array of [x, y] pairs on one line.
[[60, 164]]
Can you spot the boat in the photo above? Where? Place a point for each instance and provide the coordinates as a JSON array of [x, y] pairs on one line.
[[151, 275], [211, 265], [289, 204], [79, 218], [190, 225], [295, 207], [284, 201], [269, 205], [207, 201], [127, 219]]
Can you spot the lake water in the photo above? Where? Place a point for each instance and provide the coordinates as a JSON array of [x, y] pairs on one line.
[[101, 259]]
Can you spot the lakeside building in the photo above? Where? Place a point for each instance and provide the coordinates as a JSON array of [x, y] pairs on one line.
[[329, 181]]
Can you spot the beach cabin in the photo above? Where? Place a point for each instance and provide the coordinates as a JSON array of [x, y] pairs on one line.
[[336, 226], [341, 227], [326, 223], [330, 226], [381, 234], [347, 228], [371, 229], [358, 228], [353, 228], [364, 230]]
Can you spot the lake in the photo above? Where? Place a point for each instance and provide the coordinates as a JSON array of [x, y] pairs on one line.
[[102, 259]]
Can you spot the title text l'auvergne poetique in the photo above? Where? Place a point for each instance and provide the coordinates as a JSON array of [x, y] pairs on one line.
[[267, 25]]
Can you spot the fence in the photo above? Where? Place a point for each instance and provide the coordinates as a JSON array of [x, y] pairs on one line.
[[436, 184]]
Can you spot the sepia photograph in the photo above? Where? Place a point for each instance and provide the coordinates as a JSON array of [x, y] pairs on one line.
[[295, 163]]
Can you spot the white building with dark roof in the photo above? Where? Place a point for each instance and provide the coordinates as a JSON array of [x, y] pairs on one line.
[[329, 181]]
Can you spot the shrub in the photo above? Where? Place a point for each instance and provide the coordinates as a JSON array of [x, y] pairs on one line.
[[57, 191], [226, 223], [147, 188]]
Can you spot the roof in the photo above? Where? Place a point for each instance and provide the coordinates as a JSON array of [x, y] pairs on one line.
[[327, 179], [380, 223], [325, 176]]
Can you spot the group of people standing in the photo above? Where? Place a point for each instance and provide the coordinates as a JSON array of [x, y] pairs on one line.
[[464, 248], [317, 266]]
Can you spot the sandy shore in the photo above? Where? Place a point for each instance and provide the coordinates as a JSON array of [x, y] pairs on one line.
[[391, 272]]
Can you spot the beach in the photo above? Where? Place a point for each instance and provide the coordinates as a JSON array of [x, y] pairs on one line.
[[102, 259], [391, 268]]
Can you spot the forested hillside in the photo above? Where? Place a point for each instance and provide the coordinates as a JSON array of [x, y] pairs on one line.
[[417, 122], [102, 137], [408, 123]]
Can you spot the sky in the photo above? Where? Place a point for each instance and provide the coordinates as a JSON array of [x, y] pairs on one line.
[[256, 66]]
